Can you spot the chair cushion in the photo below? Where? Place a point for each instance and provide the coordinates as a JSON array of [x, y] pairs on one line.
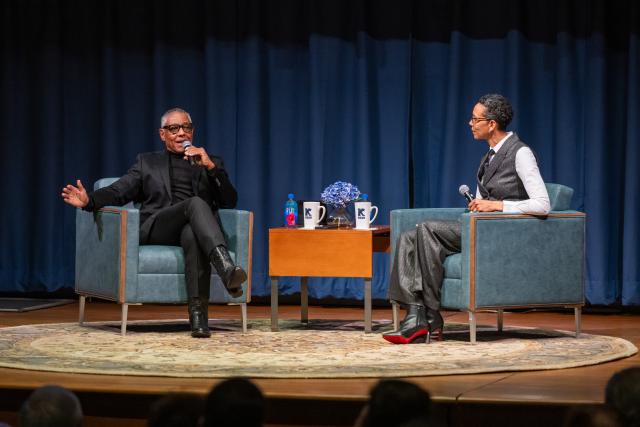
[[455, 294], [160, 259], [452, 267], [157, 259]]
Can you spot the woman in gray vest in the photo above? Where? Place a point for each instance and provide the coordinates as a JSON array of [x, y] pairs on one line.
[[508, 181]]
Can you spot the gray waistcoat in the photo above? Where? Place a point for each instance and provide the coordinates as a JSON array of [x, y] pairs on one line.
[[500, 180]]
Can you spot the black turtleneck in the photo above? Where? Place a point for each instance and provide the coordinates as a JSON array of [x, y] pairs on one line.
[[181, 174]]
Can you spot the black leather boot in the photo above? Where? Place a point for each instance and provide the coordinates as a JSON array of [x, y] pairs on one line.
[[232, 276], [199, 318], [413, 327]]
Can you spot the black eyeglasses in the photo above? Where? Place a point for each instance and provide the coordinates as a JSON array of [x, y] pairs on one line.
[[187, 127], [475, 120]]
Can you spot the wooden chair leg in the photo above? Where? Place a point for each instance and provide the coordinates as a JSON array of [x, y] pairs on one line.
[[123, 319], [243, 316], [395, 315], [578, 315], [500, 319], [81, 311], [472, 327]]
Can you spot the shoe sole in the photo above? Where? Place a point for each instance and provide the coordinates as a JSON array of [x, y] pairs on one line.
[[399, 339], [198, 334]]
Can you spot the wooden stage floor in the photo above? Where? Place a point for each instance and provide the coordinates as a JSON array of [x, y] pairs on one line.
[[483, 399]]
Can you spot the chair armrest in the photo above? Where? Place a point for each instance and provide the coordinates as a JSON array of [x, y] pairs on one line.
[[238, 229], [524, 260], [406, 219], [107, 252]]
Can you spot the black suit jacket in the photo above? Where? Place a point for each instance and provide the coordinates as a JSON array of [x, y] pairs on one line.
[[148, 183]]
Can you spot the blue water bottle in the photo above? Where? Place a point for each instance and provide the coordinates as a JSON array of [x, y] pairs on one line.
[[291, 212]]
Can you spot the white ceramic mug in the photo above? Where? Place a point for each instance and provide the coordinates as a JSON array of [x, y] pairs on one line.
[[363, 214], [311, 214]]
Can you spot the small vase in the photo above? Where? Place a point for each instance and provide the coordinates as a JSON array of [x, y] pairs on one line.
[[339, 218]]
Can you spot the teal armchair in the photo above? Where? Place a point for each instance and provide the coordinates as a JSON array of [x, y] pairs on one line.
[[112, 265], [509, 260]]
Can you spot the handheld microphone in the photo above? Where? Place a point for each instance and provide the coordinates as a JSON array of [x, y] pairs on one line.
[[464, 191], [192, 161]]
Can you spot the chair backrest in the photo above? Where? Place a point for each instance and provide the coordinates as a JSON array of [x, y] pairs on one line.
[[105, 182], [559, 196]]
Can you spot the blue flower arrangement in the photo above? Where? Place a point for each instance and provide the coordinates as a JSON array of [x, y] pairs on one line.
[[339, 194]]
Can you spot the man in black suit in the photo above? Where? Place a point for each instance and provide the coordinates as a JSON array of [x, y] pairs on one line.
[[180, 191]]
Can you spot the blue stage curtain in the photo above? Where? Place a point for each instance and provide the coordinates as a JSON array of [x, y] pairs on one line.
[[298, 94]]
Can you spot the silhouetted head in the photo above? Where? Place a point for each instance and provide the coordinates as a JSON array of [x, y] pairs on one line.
[[396, 403], [176, 410], [623, 395], [51, 406], [234, 402], [592, 416]]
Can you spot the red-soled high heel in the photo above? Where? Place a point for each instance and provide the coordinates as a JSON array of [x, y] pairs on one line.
[[413, 327]]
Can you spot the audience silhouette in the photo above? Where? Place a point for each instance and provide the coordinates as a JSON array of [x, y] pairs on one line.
[[592, 416], [395, 403], [176, 410], [51, 406], [623, 395], [236, 402]]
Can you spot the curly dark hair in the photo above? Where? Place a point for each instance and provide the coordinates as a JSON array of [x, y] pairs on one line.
[[498, 108]]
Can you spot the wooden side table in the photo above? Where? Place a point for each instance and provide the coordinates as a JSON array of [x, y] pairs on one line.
[[305, 253]]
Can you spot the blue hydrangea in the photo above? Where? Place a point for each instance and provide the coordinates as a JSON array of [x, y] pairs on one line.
[[339, 194]]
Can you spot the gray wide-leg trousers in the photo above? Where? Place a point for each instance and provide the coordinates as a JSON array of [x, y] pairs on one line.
[[417, 271]]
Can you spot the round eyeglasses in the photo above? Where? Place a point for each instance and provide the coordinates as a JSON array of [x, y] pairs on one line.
[[475, 120], [187, 127]]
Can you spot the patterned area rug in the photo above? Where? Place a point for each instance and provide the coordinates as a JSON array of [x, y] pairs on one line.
[[323, 349]]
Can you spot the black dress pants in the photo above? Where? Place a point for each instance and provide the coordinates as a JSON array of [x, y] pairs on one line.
[[417, 271], [192, 225]]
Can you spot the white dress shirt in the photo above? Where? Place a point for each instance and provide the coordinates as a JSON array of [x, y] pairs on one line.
[[528, 172]]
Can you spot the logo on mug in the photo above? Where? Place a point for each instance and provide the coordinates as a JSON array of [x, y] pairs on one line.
[[361, 213], [307, 213]]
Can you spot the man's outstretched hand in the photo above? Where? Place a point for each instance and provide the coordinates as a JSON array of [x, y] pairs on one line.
[[75, 196]]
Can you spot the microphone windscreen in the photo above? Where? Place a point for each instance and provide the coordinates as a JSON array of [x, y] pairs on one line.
[[463, 190]]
